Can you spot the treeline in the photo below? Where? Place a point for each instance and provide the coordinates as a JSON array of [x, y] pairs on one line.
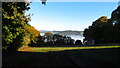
[[49, 39], [104, 30], [16, 32]]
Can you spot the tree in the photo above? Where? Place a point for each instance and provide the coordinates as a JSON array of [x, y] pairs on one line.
[[104, 30], [78, 42], [15, 22], [48, 33], [97, 31], [115, 18]]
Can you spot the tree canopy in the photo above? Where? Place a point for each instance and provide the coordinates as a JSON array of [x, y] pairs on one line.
[[16, 31], [104, 30]]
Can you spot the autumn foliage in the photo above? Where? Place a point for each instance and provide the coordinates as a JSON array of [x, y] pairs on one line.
[[16, 32], [48, 33], [34, 34], [33, 31]]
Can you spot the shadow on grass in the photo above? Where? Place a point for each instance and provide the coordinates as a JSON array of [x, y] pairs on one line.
[[91, 58]]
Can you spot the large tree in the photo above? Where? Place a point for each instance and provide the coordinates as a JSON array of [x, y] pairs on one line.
[[115, 18], [104, 30], [16, 31]]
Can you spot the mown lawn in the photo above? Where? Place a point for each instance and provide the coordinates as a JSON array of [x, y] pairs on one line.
[[49, 49], [80, 58], [54, 57]]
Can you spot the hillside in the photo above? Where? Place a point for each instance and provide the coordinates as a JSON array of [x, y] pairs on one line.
[[67, 32], [71, 32]]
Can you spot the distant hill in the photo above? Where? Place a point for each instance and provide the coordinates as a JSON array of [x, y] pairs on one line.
[[44, 31], [67, 32], [70, 32]]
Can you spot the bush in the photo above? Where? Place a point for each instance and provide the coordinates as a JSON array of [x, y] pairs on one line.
[[78, 42]]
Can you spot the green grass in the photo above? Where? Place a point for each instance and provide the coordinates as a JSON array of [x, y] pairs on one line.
[[107, 57], [49, 49], [39, 57]]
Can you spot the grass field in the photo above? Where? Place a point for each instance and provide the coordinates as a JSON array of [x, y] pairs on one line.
[[54, 57], [81, 58], [49, 49]]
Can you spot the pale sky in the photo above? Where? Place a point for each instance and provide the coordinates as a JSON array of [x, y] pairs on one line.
[[68, 15]]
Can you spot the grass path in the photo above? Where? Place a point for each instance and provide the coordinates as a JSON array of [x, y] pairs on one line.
[[51, 49]]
